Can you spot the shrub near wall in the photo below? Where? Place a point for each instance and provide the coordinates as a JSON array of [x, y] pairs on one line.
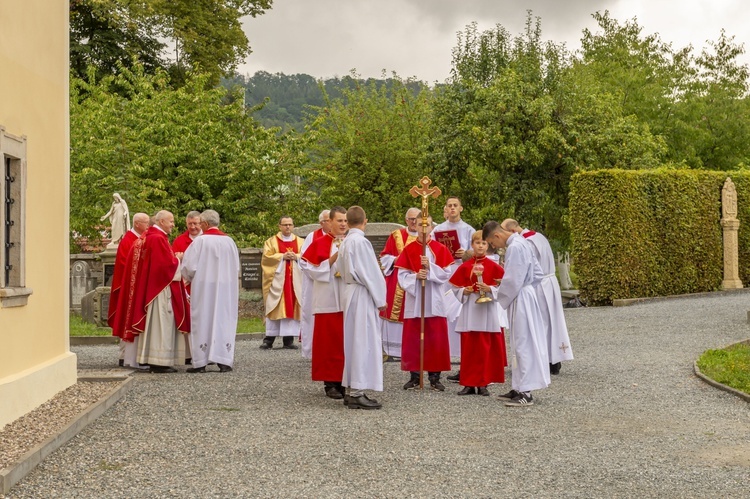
[[652, 232]]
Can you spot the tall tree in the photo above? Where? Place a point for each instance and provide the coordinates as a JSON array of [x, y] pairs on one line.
[[178, 149], [203, 35], [367, 147]]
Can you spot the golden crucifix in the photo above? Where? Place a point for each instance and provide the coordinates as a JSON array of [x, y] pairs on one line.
[[425, 192]]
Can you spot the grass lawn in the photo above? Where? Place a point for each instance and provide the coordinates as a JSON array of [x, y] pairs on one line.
[[79, 327], [729, 366]]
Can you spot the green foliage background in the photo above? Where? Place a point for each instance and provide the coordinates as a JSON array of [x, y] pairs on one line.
[[653, 233]]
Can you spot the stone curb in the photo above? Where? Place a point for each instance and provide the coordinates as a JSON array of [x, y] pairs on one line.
[[107, 340], [744, 396], [16, 472], [624, 302]]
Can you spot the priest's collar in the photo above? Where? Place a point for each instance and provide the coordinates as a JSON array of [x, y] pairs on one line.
[[288, 238]]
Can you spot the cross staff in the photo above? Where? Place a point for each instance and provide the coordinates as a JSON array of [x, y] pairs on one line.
[[425, 192]]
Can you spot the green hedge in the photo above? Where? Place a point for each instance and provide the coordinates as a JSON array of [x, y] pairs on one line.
[[641, 233]]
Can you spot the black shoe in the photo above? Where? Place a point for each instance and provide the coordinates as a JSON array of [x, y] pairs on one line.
[[162, 369], [453, 378], [334, 393], [412, 383], [555, 368], [346, 399], [509, 396], [435, 384], [520, 400], [467, 390], [196, 369], [223, 368], [483, 391], [189, 362], [362, 402], [291, 347], [121, 363]]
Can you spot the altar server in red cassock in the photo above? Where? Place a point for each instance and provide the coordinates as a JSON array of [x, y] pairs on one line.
[[393, 315], [306, 315], [328, 291], [153, 301], [434, 269], [140, 225], [480, 324]]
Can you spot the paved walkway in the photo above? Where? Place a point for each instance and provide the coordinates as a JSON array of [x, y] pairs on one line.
[[627, 418]]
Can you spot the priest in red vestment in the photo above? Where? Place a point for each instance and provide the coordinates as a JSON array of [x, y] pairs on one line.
[[153, 302], [432, 269], [306, 315], [328, 289], [140, 225], [282, 285]]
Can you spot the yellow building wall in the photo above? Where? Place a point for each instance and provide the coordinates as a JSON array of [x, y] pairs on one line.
[[35, 359]]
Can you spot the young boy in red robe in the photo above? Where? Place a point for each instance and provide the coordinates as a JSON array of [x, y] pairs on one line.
[[481, 320]]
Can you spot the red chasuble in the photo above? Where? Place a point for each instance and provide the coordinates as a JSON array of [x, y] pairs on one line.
[[464, 275], [123, 250], [395, 244], [528, 234], [181, 242], [289, 297], [150, 267]]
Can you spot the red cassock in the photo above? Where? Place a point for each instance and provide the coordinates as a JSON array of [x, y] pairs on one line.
[[123, 250], [150, 267], [436, 348], [328, 329], [180, 245], [483, 356]]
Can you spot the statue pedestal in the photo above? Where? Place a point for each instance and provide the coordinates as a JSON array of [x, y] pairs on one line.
[[108, 265]]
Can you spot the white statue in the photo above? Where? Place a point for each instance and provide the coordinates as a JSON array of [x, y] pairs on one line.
[[119, 217], [563, 271]]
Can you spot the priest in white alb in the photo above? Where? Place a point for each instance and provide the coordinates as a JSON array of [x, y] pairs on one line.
[[364, 297], [212, 265]]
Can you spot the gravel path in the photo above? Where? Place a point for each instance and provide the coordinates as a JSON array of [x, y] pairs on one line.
[[627, 418]]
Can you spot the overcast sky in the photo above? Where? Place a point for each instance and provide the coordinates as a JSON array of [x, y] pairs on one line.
[[326, 38]]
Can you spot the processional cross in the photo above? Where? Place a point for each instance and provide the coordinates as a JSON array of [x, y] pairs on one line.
[[425, 192]]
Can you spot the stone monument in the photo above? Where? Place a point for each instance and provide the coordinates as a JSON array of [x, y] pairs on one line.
[[563, 271], [730, 224], [119, 218]]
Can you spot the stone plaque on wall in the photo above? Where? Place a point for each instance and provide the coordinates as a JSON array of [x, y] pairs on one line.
[[251, 274]]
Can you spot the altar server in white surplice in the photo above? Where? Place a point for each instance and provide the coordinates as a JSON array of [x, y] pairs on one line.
[[528, 338], [550, 299], [212, 264], [364, 298], [306, 322]]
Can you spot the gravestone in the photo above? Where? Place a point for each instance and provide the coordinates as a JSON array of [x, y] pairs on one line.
[[95, 305], [563, 270], [81, 282], [251, 276], [108, 265]]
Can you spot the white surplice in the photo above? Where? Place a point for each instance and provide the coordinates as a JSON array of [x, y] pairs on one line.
[[392, 331], [550, 301], [364, 293], [465, 232], [487, 317], [307, 319], [211, 264], [528, 336]]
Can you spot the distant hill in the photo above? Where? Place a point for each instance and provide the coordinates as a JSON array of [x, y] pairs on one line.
[[291, 95]]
